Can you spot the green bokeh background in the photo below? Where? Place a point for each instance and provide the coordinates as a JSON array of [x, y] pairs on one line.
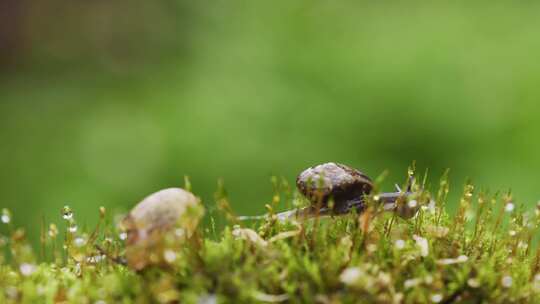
[[102, 103]]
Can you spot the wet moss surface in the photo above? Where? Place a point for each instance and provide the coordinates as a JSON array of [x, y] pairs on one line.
[[484, 252]]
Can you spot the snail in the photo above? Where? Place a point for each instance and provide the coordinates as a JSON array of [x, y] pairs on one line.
[[342, 185], [336, 189], [153, 218]]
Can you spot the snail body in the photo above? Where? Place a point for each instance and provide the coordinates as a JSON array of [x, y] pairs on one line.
[[336, 189]]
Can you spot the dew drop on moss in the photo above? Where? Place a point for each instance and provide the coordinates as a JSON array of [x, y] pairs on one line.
[[6, 216], [436, 298], [169, 255], [79, 242], [53, 230], [27, 269], [67, 214], [506, 281], [73, 228]]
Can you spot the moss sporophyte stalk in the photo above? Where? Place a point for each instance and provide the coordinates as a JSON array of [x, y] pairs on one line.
[[343, 241]]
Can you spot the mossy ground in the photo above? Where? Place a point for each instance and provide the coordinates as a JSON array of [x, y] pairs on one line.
[[484, 253]]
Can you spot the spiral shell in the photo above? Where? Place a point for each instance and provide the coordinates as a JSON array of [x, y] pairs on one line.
[[333, 181]]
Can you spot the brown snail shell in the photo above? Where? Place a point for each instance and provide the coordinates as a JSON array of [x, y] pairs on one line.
[[151, 219], [333, 181], [347, 188]]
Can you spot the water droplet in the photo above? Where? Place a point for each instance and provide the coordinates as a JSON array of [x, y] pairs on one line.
[[507, 281], [473, 282], [73, 228], [79, 242], [53, 231], [431, 207], [179, 232], [449, 261], [6, 216], [67, 214], [350, 275], [436, 298], [400, 244], [123, 236], [5, 219], [169, 255], [102, 211], [469, 215], [411, 283], [207, 299], [94, 259], [509, 207], [422, 243], [522, 245], [27, 269], [462, 258], [77, 269]]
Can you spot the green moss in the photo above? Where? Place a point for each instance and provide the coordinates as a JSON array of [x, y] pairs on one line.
[[484, 253]]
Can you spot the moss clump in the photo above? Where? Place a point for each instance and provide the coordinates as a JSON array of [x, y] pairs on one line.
[[484, 253]]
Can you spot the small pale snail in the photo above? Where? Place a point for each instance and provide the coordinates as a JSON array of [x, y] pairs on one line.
[[336, 189], [153, 218]]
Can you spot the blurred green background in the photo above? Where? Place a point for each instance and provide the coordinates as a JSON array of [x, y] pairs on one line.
[[104, 102]]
